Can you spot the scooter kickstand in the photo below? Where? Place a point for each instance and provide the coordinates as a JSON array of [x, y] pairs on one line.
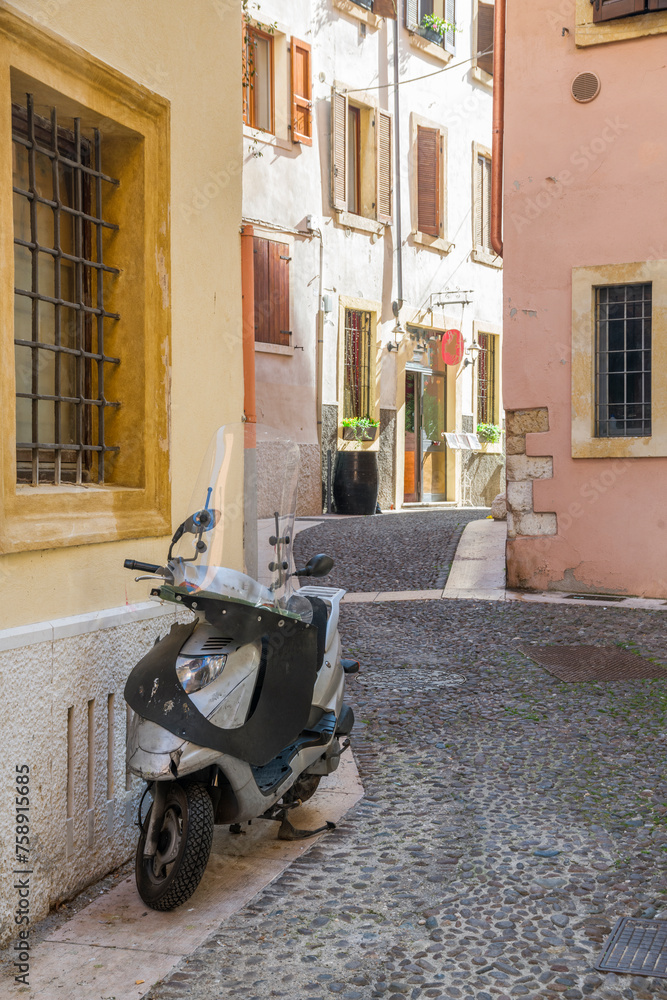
[[289, 832]]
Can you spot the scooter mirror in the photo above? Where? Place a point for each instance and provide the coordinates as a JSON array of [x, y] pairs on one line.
[[319, 565]]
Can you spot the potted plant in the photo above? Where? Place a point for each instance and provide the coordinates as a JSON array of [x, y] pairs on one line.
[[434, 28], [489, 433], [359, 429]]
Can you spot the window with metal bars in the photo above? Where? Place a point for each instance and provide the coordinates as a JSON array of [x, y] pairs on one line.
[[486, 379], [357, 396], [623, 315], [60, 320]]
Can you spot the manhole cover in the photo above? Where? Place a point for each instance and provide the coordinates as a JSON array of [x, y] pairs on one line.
[[636, 947], [593, 663]]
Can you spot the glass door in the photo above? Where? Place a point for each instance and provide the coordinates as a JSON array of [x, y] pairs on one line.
[[425, 471], [433, 457]]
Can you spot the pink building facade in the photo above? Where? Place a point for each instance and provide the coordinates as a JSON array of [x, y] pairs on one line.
[[585, 274]]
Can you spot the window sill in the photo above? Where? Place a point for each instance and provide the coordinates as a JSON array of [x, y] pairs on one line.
[[429, 48], [263, 348], [36, 517], [587, 32], [257, 135], [488, 257], [481, 76], [351, 221], [353, 9], [435, 243], [490, 448]]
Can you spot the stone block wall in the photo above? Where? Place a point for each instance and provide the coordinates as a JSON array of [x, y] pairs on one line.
[[62, 713], [522, 471]]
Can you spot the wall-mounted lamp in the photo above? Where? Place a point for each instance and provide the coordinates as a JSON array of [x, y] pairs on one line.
[[473, 352]]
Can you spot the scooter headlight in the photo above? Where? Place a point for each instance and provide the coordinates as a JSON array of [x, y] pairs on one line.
[[195, 672]]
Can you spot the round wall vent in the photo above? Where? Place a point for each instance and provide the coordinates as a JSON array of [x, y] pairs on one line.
[[586, 87]]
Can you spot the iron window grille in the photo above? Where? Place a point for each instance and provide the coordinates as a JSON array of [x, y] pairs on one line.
[[623, 315], [60, 316], [486, 379], [357, 374]]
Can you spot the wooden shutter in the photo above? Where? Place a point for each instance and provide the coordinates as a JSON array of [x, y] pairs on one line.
[[271, 281], [385, 8], [485, 19], [385, 174], [411, 14], [279, 291], [262, 296], [302, 116], [606, 10], [338, 149], [428, 181], [449, 41]]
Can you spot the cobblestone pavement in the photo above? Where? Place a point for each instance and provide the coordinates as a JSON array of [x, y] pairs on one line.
[[509, 820], [400, 551]]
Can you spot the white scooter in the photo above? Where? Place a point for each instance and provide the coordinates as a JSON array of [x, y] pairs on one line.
[[238, 712]]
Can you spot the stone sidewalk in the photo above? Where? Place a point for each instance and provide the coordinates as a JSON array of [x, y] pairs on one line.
[[509, 819]]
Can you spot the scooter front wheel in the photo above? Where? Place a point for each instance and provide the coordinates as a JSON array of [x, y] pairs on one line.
[[184, 845]]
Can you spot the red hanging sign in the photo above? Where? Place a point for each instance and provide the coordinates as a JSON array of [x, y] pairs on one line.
[[452, 347]]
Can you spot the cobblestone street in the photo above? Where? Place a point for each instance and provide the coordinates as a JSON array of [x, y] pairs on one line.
[[509, 820]]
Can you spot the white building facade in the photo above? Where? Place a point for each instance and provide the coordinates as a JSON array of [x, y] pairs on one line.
[[369, 207]]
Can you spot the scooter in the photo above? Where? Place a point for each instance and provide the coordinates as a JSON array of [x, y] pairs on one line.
[[237, 712]]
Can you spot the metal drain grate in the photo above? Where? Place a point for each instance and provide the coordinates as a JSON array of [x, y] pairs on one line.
[[637, 948], [593, 663]]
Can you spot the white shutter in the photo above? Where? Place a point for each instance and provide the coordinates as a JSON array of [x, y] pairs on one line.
[[384, 189], [338, 149], [449, 40], [411, 14]]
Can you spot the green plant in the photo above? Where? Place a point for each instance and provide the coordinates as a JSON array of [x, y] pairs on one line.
[[489, 432], [359, 425], [437, 24]]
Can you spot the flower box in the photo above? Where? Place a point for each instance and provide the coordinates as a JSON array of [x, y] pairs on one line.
[[430, 35], [359, 433]]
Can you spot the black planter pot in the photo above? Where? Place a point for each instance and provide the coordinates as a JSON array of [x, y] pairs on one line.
[[367, 4], [356, 482], [431, 35]]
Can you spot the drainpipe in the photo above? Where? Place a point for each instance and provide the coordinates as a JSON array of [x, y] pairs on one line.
[[397, 171], [498, 126], [248, 294]]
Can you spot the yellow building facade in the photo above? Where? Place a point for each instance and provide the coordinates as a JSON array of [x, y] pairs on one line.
[[121, 348]]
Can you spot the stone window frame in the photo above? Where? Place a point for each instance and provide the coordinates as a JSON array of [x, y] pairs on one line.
[[136, 500], [584, 443], [495, 330], [587, 32], [439, 244], [375, 309]]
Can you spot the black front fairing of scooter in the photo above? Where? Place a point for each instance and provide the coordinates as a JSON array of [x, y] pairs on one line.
[[154, 691]]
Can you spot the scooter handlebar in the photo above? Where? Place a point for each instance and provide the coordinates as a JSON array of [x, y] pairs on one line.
[[141, 566]]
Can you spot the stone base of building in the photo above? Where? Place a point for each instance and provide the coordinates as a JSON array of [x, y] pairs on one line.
[[63, 716]]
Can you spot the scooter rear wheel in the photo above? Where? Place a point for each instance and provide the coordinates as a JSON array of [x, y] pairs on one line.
[[184, 845]]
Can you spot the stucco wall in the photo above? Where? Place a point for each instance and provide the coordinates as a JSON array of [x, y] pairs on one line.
[[584, 186], [190, 56]]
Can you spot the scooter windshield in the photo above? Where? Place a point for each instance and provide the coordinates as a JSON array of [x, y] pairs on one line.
[[237, 539]]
